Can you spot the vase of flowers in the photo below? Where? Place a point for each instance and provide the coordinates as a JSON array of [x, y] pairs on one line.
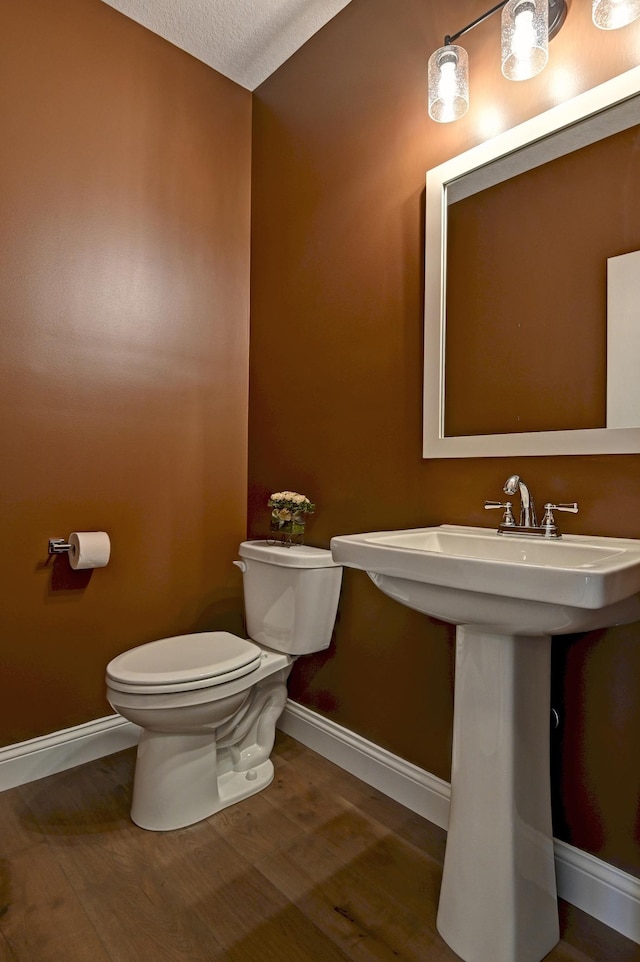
[[289, 512]]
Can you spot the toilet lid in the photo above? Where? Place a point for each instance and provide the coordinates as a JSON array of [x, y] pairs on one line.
[[185, 662]]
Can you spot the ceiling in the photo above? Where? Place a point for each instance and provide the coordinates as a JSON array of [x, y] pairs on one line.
[[246, 40]]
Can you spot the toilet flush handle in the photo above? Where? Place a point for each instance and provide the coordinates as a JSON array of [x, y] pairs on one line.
[[241, 564]]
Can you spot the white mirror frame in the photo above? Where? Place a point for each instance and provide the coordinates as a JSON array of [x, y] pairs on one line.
[[553, 133]]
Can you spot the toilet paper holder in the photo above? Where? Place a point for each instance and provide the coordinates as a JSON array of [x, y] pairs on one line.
[[84, 549], [59, 546]]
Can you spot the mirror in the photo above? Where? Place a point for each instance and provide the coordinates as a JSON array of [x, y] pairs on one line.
[[579, 125]]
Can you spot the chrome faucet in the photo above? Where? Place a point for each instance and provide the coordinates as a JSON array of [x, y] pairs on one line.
[[528, 523], [527, 508]]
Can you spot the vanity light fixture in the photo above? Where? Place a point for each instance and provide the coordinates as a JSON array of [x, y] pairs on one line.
[[611, 14], [527, 27]]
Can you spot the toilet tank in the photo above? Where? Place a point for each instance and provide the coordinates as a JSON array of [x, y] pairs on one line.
[[290, 595]]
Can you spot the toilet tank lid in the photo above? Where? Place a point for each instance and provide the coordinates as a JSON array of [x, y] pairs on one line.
[[292, 556]]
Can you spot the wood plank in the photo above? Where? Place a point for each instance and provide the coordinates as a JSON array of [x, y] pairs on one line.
[[353, 837], [256, 828], [145, 920], [304, 799], [17, 827], [82, 801], [249, 917], [402, 821], [359, 917], [84, 815], [42, 918], [6, 955]]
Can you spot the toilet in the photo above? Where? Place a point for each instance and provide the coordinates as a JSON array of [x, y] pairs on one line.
[[207, 703]]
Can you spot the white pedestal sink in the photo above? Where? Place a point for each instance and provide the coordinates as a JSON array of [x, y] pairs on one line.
[[507, 595]]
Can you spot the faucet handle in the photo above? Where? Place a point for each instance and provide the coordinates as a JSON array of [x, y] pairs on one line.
[[548, 522], [508, 520]]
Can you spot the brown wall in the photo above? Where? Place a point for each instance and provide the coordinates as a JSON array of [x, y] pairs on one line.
[[341, 144], [124, 212]]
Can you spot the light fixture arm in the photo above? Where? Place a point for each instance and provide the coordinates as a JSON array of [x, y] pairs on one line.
[[474, 23]]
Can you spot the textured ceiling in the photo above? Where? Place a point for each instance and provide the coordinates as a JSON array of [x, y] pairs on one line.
[[245, 40]]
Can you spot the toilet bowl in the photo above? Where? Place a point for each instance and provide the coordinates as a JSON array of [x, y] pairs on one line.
[[207, 703]]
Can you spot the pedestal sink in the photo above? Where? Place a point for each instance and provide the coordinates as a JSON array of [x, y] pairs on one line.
[[507, 596]]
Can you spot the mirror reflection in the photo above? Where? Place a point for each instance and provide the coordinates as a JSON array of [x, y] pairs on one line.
[[526, 332]]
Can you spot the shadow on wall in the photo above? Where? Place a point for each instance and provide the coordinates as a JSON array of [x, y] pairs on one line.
[[567, 741], [595, 775], [64, 578], [222, 614]]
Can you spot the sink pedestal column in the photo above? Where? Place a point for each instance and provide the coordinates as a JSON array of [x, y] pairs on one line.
[[498, 899]]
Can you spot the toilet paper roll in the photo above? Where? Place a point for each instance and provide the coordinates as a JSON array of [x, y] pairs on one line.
[[89, 549]]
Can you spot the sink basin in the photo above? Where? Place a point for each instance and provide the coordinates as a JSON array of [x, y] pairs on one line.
[[507, 595], [512, 583]]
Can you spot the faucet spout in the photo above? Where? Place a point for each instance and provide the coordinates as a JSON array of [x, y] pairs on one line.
[[527, 508]]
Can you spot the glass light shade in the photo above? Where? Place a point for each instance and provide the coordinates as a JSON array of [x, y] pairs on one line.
[[525, 38], [611, 14], [448, 83]]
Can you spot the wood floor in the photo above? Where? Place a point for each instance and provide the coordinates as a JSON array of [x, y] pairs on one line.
[[317, 868]]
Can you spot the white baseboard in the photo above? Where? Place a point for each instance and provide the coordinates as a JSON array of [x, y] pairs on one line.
[[611, 896], [26, 761], [597, 888]]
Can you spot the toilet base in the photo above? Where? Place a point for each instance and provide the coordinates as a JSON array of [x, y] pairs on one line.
[[177, 782], [234, 786]]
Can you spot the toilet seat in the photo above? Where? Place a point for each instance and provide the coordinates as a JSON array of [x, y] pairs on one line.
[[183, 663]]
